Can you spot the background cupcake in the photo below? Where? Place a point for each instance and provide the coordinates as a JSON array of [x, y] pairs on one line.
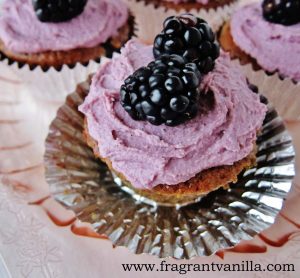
[[39, 36], [150, 14], [265, 36]]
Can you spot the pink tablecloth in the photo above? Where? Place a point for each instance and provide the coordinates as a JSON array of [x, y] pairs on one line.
[[39, 238]]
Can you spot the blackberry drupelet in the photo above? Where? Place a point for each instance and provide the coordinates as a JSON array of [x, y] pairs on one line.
[[58, 10], [164, 92], [285, 12], [190, 37]]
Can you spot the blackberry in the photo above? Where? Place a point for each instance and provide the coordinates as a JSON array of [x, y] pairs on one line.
[[285, 12], [58, 10], [164, 92], [190, 37]]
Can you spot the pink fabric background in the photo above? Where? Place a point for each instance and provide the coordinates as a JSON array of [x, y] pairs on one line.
[[39, 238]]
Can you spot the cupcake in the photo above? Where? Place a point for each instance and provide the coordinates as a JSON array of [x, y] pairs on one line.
[[266, 35], [188, 5], [150, 14], [173, 124], [41, 33]]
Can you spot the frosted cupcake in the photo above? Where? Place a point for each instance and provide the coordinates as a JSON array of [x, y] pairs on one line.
[[171, 129], [267, 35], [150, 14], [52, 34], [190, 4]]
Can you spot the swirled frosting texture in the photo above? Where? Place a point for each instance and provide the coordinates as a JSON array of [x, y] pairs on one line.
[[149, 155], [204, 2], [22, 32], [274, 46]]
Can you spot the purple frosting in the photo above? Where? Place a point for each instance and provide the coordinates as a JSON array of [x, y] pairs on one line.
[[22, 32], [149, 155], [275, 47]]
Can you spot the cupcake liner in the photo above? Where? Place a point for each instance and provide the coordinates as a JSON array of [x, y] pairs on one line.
[[149, 17], [51, 85], [284, 94], [83, 184]]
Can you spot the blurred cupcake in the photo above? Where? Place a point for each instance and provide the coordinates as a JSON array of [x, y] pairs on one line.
[[173, 127], [267, 35], [190, 4], [54, 45], [150, 14], [61, 34]]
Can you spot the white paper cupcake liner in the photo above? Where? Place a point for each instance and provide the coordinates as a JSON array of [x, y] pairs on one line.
[[149, 19], [284, 94], [52, 85]]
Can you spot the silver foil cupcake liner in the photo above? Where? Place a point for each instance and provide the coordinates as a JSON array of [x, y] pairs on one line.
[[220, 220]]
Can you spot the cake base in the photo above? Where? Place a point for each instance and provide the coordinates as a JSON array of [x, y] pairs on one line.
[[227, 43], [57, 59], [189, 191]]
